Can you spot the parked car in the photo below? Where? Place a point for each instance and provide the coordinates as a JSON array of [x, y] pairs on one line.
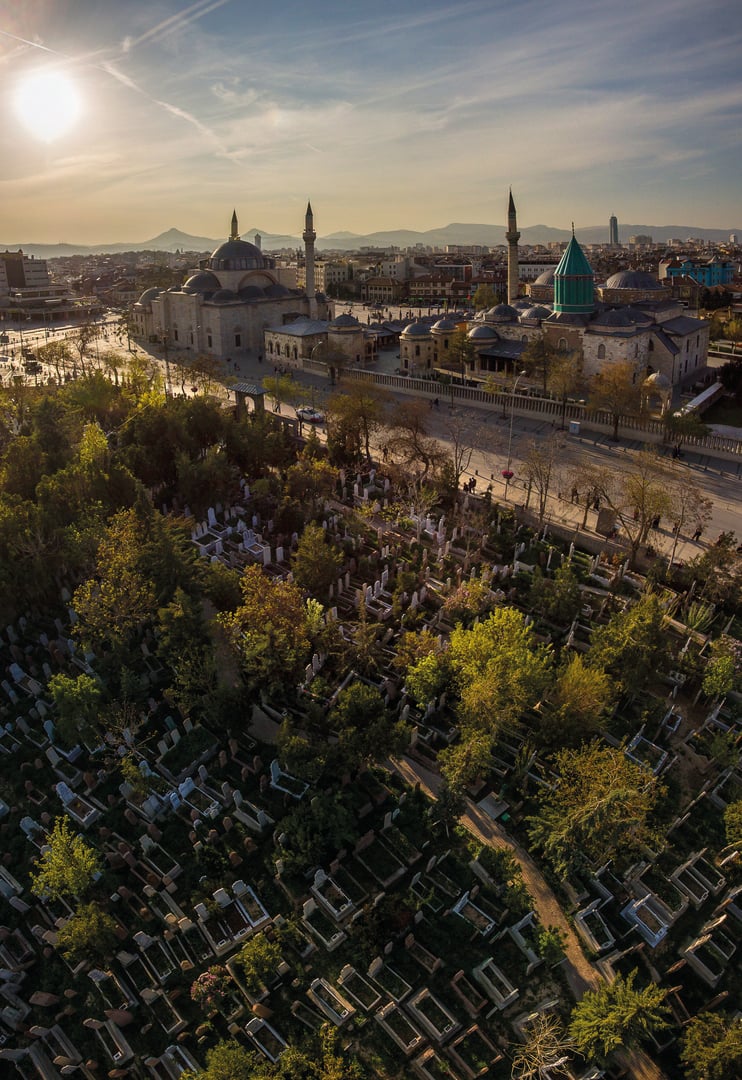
[[310, 415]]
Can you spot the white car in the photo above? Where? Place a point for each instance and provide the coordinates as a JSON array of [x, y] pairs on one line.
[[310, 415]]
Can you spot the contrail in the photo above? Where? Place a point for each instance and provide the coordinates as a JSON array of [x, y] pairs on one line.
[[177, 21]]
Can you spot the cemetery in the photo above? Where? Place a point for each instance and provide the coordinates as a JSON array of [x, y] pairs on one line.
[[219, 827]]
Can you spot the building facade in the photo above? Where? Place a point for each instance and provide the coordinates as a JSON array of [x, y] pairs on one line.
[[228, 301]]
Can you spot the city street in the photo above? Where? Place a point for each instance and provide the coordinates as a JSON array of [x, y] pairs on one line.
[[488, 429]]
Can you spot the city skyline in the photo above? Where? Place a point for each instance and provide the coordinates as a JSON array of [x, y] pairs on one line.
[[401, 118]]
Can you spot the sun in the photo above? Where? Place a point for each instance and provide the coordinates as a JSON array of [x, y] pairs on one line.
[[48, 104]]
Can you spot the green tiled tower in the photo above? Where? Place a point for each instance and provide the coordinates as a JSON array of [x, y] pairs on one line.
[[573, 282]]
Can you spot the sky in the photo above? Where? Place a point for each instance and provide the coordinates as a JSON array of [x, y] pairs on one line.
[[387, 115]]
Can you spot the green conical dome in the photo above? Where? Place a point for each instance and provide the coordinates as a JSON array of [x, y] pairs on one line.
[[573, 282]]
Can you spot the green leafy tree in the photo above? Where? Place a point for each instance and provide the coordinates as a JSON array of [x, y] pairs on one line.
[[733, 822], [711, 1047], [500, 670], [88, 934], [258, 960], [551, 942], [427, 678], [366, 730], [484, 297], [316, 563], [314, 832], [557, 598], [630, 647], [77, 701], [617, 1015], [467, 760], [310, 480], [67, 866], [578, 703], [228, 1060], [361, 405], [268, 632], [601, 809]]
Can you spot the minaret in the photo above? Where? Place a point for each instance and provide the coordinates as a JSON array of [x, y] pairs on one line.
[[235, 232], [309, 237], [512, 236]]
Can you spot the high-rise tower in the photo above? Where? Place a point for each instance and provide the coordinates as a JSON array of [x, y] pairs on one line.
[[512, 236], [613, 230], [309, 236]]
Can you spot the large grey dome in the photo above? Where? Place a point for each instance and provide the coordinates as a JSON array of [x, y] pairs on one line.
[[237, 255], [536, 312], [345, 322], [276, 291], [633, 279], [447, 325], [224, 296], [547, 277]]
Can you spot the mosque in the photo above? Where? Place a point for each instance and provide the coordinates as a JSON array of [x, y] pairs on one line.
[[630, 317], [226, 304]]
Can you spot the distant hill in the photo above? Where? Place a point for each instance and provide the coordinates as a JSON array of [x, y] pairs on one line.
[[456, 233]]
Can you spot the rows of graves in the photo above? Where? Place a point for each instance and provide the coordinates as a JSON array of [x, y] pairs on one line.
[[403, 941]]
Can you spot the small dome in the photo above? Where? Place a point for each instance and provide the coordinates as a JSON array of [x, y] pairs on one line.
[[657, 381], [345, 322], [447, 325], [638, 316], [148, 296], [202, 282], [633, 279], [251, 292], [616, 317], [276, 291], [482, 333], [502, 313], [416, 329], [537, 312], [547, 277], [224, 296]]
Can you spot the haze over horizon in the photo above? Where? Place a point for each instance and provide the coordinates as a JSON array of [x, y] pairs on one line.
[[387, 119]]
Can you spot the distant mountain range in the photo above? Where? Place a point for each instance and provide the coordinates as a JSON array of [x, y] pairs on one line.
[[458, 233]]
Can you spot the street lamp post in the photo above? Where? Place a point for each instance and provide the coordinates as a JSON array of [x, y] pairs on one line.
[[507, 472]]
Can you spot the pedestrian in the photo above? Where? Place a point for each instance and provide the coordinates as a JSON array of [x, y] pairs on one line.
[[437, 403], [575, 495], [656, 522], [697, 534]]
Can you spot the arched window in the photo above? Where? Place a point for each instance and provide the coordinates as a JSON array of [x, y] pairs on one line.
[[445, 343], [417, 350], [601, 352], [650, 347], [562, 343], [524, 339]]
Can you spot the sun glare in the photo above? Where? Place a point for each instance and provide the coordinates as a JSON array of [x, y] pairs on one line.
[[48, 104]]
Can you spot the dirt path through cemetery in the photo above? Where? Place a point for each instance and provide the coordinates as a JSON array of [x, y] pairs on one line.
[[581, 974]]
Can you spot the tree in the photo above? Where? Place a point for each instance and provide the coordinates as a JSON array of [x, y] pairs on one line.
[[689, 504], [500, 669], [427, 678], [557, 598], [362, 404], [538, 469], [616, 391], [484, 297], [310, 480], [538, 358], [366, 730], [711, 1047], [546, 1050], [631, 646], [565, 378], [616, 1015], [228, 1060], [684, 424], [67, 866], [112, 606], [268, 632], [56, 354], [468, 759], [281, 388], [258, 959], [409, 443], [733, 823], [77, 701], [600, 809], [316, 563], [88, 934], [577, 703]]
